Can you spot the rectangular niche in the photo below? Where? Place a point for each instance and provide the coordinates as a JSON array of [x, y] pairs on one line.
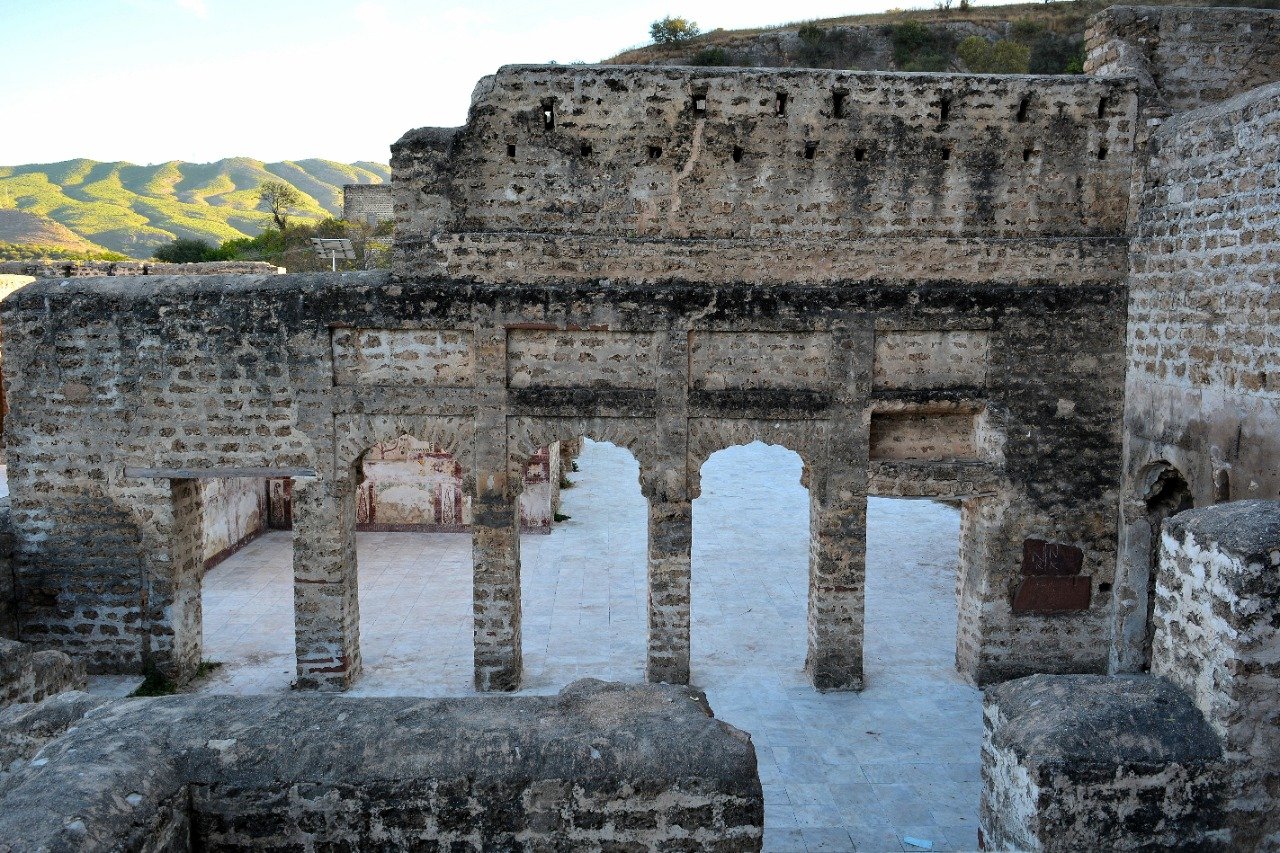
[[403, 357], [733, 360], [542, 358], [920, 360], [924, 436]]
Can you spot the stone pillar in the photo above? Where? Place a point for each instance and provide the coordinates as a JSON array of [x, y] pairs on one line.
[[666, 485], [173, 606], [837, 587], [838, 520], [326, 604], [670, 547], [495, 555], [1217, 636], [495, 526], [1133, 567]]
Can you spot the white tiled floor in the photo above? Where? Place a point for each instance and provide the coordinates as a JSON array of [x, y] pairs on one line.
[[841, 771]]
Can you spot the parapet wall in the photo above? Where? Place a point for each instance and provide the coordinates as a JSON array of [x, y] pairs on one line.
[[1186, 58], [599, 767], [73, 269], [817, 158]]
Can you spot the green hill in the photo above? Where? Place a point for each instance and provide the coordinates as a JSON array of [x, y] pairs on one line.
[[132, 209]]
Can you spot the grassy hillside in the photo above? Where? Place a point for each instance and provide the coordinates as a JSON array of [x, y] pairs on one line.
[[924, 39], [21, 227], [132, 209]]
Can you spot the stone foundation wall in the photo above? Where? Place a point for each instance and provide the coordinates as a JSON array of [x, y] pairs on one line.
[[597, 767], [1186, 58], [1202, 393]]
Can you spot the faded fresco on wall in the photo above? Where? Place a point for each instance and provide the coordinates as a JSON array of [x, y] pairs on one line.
[[235, 511]]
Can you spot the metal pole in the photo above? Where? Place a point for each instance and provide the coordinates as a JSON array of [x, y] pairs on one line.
[[333, 258]]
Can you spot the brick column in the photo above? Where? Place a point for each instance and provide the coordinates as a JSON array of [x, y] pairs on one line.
[[838, 520], [495, 526], [175, 629], [837, 587], [670, 544], [326, 606]]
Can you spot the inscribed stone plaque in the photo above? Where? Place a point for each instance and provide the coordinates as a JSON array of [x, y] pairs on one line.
[[1044, 594], [1050, 558]]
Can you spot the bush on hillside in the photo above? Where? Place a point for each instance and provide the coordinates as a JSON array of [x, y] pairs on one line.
[[917, 47], [185, 251], [830, 48], [712, 56], [673, 30], [1003, 57]]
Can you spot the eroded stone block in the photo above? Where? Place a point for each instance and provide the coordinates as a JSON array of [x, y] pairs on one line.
[[1080, 762]]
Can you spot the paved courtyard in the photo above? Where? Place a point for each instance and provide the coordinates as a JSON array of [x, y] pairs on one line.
[[840, 771]]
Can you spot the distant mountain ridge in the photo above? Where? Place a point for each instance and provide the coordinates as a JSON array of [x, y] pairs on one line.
[[133, 209]]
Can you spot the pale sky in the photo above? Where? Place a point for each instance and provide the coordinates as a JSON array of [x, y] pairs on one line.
[[155, 80]]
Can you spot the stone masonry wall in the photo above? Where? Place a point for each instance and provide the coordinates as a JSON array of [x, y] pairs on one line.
[[28, 675], [367, 203], [1202, 390], [974, 224], [1186, 58], [826, 160], [72, 269], [1073, 763], [8, 585], [598, 767], [1218, 638], [204, 376]]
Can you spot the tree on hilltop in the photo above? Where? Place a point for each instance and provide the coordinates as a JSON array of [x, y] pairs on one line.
[[279, 198], [673, 30]]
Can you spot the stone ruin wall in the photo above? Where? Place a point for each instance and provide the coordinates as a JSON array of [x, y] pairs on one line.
[[597, 767], [616, 172], [1218, 638], [367, 203], [216, 386], [1202, 388], [74, 269], [1185, 757], [1185, 58], [1020, 180]]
